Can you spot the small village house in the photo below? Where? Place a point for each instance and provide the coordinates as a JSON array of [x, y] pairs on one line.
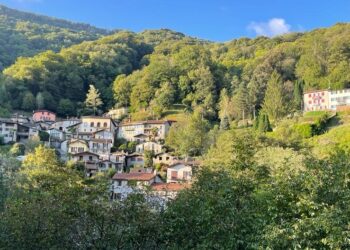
[[179, 172], [44, 116], [149, 146], [124, 184]]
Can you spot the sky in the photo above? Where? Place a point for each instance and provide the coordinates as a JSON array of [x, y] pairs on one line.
[[215, 20]]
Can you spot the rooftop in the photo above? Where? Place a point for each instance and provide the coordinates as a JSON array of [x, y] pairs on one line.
[[134, 176], [169, 186]]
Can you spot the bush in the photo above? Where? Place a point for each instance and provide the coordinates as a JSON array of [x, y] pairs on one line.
[[17, 149], [304, 130]]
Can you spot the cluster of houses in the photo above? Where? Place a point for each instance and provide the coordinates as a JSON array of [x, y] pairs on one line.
[[91, 142]]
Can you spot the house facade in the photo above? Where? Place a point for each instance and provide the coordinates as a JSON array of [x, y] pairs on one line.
[[154, 130], [63, 125], [135, 160], [96, 123], [326, 100], [77, 146], [179, 172], [44, 116], [124, 184], [149, 146], [164, 158], [8, 130]]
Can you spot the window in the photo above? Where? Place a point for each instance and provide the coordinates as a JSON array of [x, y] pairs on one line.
[[186, 175], [167, 158], [90, 158], [105, 124], [160, 158], [92, 124], [98, 124], [174, 175], [80, 158]]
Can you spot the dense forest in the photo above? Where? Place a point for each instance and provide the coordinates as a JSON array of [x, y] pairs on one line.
[[165, 68], [26, 34]]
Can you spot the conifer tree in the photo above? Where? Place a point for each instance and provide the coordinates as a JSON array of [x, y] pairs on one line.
[[93, 99], [40, 102], [273, 102], [298, 94], [224, 123]]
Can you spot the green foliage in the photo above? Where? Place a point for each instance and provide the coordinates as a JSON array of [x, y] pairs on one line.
[[17, 149], [262, 123], [25, 34], [149, 158], [66, 108], [44, 136], [273, 101], [190, 137], [28, 103], [93, 99]]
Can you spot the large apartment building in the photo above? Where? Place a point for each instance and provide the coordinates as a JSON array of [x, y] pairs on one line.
[[326, 100]]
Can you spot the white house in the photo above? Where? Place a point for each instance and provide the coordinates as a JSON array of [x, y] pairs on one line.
[[135, 160], [90, 161], [56, 134], [165, 158], [154, 130], [96, 123], [149, 146], [77, 146], [100, 146], [104, 135], [118, 157], [65, 124], [124, 184], [179, 172], [8, 130], [105, 165]]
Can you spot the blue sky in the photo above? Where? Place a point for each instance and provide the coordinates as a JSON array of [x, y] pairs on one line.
[[217, 20]]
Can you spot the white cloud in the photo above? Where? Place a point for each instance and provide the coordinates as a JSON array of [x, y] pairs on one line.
[[274, 27]]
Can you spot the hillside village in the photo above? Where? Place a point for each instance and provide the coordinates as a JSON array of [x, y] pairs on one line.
[[130, 151], [91, 141]]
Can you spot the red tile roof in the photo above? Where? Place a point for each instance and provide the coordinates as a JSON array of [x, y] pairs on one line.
[[169, 186], [134, 176]]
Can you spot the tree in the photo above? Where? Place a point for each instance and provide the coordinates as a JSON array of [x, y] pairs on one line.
[[190, 137], [149, 154], [225, 105], [298, 95], [164, 98], [273, 102], [224, 123], [93, 99], [240, 104], [263, 123], [66, 108], [28, 102], [17, 149], [40, 102]]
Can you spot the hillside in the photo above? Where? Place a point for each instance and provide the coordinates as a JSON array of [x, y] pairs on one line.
[[153, 70], [26, 34]]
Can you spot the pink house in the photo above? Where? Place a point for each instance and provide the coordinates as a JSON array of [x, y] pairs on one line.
[[44, 116]]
